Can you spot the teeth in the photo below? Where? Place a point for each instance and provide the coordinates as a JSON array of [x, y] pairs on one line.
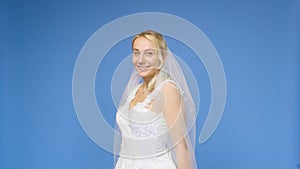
[[142, 68]]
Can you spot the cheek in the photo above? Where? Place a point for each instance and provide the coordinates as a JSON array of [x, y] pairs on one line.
[[154, 61], [133, 60]]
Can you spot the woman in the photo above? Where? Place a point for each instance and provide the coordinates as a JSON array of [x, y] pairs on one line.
[[156, 114]]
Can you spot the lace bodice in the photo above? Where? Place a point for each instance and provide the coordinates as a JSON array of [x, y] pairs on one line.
[[143, 131]]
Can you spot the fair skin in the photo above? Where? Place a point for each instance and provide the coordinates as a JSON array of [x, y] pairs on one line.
[[145, 58], [172, 113], [146, 62]]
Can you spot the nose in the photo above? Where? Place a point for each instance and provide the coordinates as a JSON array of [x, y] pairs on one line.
[[140, 59]]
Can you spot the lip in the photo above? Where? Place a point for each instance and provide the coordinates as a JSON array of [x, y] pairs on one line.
[[142, 68]]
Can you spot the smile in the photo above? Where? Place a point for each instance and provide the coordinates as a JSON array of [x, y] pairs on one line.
[[142, 68]]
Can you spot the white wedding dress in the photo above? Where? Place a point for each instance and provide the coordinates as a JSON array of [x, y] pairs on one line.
[[143, 143]]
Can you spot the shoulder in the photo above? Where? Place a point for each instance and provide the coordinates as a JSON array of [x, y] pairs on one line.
[[172, 100], [169, 87], [171, 91]]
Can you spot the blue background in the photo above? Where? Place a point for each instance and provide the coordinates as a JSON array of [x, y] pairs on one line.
[[258, 43]]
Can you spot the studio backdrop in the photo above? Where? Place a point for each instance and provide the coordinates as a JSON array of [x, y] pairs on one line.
[[241, 57]]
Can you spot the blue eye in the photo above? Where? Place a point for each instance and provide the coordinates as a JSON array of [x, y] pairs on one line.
[[149, 54], [136, 53]]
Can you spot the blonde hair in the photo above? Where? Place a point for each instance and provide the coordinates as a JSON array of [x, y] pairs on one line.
[[159, 42]]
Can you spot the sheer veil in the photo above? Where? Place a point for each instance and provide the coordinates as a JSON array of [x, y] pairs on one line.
[[171, 72]]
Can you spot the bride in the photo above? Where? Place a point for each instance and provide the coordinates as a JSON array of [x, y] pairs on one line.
[[156, 115]]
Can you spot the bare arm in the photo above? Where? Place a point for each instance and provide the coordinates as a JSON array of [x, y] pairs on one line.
[[175, 120]]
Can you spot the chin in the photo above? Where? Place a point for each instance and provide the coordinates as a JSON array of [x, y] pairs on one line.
[[145, 74]]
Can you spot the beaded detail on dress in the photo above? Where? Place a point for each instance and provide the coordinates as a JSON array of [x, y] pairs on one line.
[[143, 144]]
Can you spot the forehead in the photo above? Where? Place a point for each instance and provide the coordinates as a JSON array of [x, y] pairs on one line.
[[142, 43]]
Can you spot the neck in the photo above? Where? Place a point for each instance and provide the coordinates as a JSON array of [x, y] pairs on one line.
[[148, 78], [146, 82]]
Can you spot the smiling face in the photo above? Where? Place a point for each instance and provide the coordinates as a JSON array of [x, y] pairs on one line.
[[145, 57]]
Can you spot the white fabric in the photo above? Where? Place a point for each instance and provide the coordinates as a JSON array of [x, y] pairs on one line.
[[144, 138], [161, 162], [143, 144]]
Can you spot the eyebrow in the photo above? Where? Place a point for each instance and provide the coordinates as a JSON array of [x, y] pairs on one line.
[[144, 50]]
